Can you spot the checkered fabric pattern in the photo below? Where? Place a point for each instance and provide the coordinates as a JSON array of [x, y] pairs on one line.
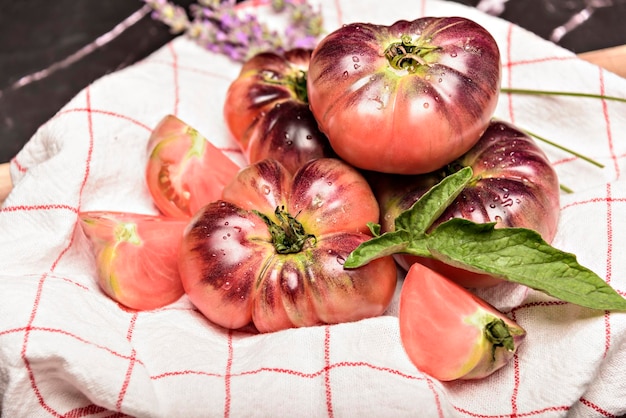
[[67, 350]]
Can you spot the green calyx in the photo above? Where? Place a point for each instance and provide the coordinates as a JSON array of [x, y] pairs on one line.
[[298, 85], [499, 335], [288, 235], [406, 55], [296, 82]]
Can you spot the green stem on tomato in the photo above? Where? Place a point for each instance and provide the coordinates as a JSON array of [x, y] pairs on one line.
[[296, 83], [405, 55], [288, 235], [561, 93]]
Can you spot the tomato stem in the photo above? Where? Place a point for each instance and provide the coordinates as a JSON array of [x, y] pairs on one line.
[[288, 235], [296, 83], [499, 335], [405, 55]]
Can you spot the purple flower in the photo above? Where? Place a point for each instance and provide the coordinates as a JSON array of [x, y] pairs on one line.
[[219, 28]]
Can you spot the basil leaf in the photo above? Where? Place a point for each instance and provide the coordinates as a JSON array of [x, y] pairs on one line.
[[383, 245], [520, 255], [429, 207]]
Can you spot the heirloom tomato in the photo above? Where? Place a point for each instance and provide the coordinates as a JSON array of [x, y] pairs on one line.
[[136, 256], [514, 185], [184, 170], [450, 333], [267, 110], [406, 98], [271, 252]]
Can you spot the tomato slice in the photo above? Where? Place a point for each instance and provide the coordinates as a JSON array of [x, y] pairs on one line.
[[136, 256], [184, 170], [449, 332]]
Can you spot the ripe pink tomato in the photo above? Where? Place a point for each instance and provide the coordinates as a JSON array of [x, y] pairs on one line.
[[271, 252], [514, 185], [136, 256], [267, 110], [406, 98], [184, 170], [450, 333]]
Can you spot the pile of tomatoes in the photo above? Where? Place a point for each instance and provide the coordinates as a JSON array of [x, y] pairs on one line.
[[345, 136]]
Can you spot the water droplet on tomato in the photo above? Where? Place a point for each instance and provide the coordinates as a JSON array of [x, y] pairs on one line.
[[356, 66], [345, 74], [227, 285], [492, 205], [453, 54], [266, 189], [355, 58], [309, 137], [330, 183], [341, 259], [440, 80], [226, 223], [426, 105]]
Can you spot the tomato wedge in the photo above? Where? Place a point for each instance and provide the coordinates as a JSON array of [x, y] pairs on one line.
[[449, 332], [136, 256], [184, 170]]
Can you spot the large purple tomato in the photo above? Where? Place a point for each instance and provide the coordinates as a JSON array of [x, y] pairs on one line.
[[271, 252], [514, 185], [406, 98], [267, 110]]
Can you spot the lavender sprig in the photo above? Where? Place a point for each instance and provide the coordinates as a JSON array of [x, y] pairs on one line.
[[219, 27]]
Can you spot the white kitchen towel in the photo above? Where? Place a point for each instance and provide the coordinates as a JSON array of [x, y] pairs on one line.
[[67, 350]]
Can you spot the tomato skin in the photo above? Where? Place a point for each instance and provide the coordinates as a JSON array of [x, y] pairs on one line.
[[234, 274], [136, 256], [514, 185], [267, 110], [184, 170], [444, 328], [382, 115]]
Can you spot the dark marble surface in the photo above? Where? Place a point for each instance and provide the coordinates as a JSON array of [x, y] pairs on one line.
[[50, 50]]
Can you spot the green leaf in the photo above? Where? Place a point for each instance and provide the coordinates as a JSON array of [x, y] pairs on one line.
[[428, 208], [520, 255], [383, 245], [410, 225], [374, 228]]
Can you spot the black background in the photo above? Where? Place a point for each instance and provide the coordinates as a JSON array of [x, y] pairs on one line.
[[35, 34]]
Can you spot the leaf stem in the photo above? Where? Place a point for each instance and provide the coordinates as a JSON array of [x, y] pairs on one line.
[[561, 147], [561, 93]]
